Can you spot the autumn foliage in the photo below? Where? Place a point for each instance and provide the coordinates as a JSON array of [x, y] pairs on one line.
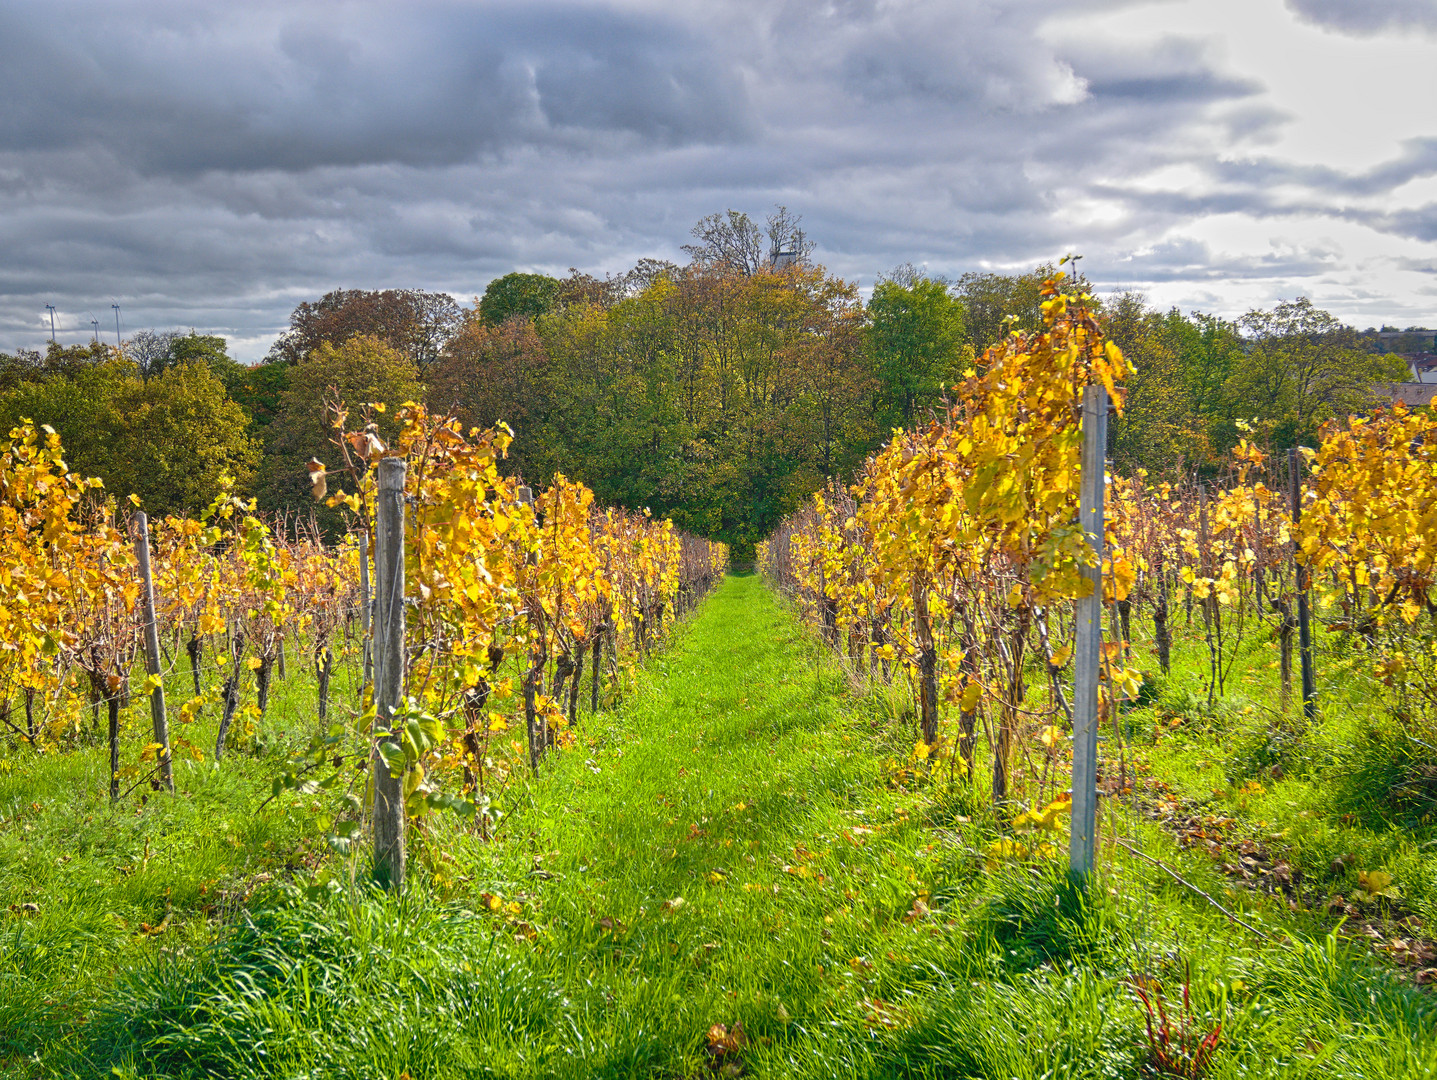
[[953, 562], [511, 592]]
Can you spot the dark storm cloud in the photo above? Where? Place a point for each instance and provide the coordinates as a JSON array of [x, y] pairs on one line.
[[213, 164], [1368, 16], [247, 88]]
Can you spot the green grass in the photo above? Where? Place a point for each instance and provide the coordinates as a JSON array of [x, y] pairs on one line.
[[850, 926], [1353, 791]]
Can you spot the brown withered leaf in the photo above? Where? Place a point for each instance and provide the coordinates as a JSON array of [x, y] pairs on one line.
[[317, 482]]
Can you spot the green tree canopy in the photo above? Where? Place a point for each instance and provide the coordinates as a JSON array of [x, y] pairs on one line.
[[523, 296], [156, 351], [77, 404], [995, 303], [492, 373], [1302, 367], [1161, 428], [257, 389], [167, 439], [360, 371], [917, 343], [29, 365], [172, 437], [208, 349]]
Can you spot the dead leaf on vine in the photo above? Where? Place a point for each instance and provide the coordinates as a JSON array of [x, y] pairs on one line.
[[317, 483]]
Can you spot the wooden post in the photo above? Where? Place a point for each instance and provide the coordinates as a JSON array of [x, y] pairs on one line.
[[152, 650], [1304, 584], [1088, 651], [389, 669], [1211, 613], [538, 657], [368, 671], [113, 708]]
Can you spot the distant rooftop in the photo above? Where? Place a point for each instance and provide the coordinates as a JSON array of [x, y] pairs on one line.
[[1412, 394]]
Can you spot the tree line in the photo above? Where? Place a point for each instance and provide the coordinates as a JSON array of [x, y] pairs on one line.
[[720, 393]]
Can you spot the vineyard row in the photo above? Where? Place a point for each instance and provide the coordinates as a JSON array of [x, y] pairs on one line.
[[518, 606], [956, 563]]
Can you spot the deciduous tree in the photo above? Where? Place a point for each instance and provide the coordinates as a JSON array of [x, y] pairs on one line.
[[412, 321], [361, 370], [516, 295], [1302, 367], [173, 437], [916, 343]]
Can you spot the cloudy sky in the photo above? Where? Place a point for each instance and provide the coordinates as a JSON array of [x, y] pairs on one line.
[[211, 164]]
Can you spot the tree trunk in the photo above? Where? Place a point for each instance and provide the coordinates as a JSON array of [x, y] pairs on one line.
[[474, 702], [563, 669], [968, 719], [533, 678], [830, 621], [1008, 724]]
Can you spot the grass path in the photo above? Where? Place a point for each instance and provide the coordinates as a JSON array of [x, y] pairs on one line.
[[717, 881], [696, 845]]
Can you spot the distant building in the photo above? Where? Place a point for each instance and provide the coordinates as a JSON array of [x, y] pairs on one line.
[[1423, 366], [1414, 395]]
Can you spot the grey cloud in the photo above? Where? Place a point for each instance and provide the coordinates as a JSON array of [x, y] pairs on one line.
[[213, 165], [1176, 71], [1366, 17], [247, 87], [1188, 260], [1419, 223], [977, 55]]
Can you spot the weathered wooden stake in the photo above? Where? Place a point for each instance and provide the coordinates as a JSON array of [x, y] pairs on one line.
[[388, 669], [1088, 651], [113, 704], [152, 650], [1304, 584], [367, 674]]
